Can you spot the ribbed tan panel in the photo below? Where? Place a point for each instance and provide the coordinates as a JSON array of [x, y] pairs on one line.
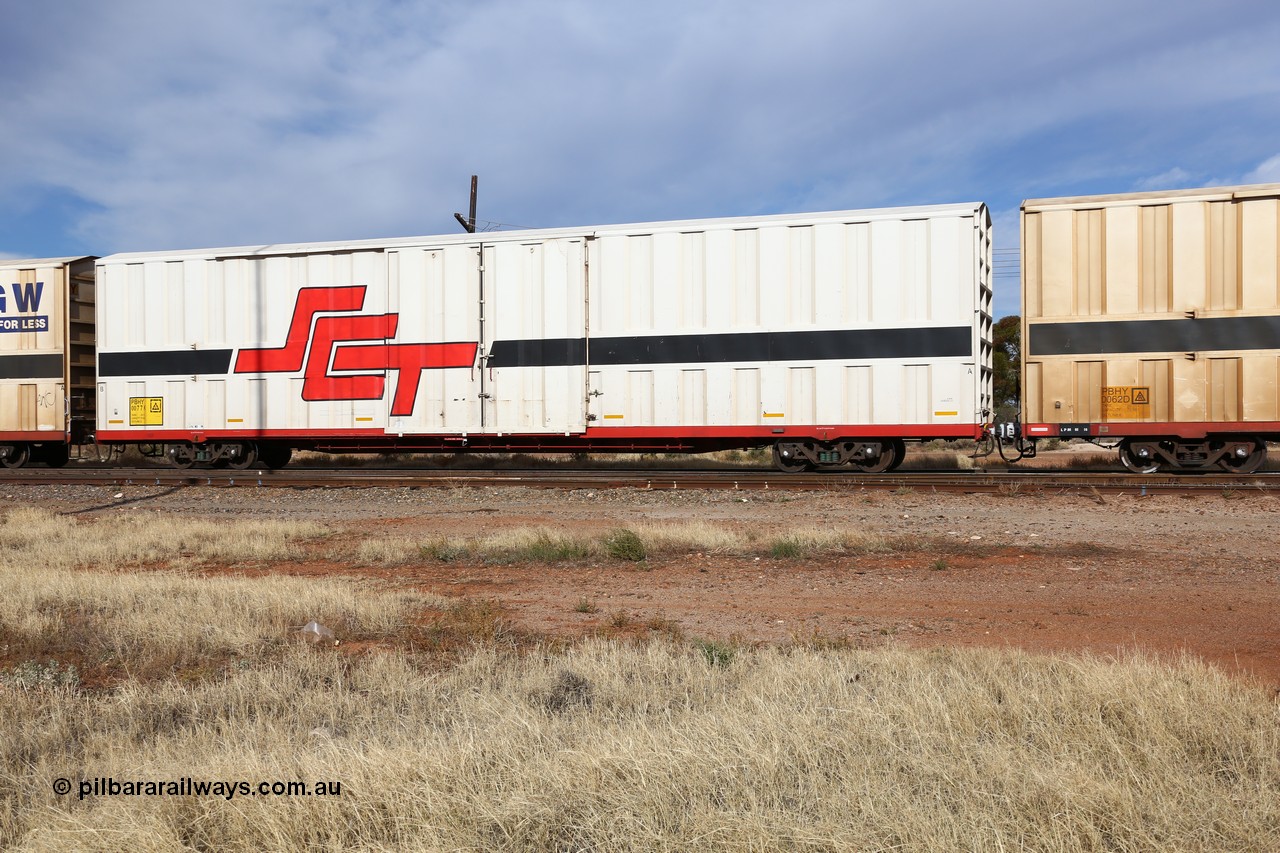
[[1177, 256]]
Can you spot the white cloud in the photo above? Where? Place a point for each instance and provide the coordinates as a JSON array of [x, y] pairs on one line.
[[254, 122], [1175, 178], [1268, 172]]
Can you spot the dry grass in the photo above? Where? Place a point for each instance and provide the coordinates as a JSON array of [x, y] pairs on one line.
[[541, 544], [614, 747], [811, 541], [686, 537], [917, 460], [523, 544], [136, 539], [704, 745], [118, 618]]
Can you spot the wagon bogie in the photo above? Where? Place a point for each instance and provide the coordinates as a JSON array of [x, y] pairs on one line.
[[871, 456], [225, 454], [1233, 454]]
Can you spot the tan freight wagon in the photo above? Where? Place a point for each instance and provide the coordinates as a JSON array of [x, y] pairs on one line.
[[46, 359], [1153, 320]]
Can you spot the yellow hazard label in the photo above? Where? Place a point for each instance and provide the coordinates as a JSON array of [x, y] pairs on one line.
[[146, 411], [1125, 402]]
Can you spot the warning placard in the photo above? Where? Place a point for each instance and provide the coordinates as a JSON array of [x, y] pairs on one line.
[[1125, 402], [146, 411]]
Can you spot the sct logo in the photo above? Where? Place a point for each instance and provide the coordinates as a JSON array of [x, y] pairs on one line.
[[26, 301], [328, 343]]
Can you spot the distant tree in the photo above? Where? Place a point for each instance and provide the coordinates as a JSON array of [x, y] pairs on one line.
[[1007, 363]]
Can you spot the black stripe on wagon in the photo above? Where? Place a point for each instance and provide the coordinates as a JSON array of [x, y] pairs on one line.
[[38, 366], [1128, 336], [946, 342], [167, 363]]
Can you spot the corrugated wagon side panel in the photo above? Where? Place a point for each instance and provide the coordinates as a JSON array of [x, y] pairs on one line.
[[773, 295], [33, 349], [315, 344], [1174, 296], [434, 290], [535, 291], [1259, 260], [1190, 264]]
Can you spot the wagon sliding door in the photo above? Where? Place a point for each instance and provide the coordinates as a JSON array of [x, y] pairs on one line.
[[534, 337], [435, 293]]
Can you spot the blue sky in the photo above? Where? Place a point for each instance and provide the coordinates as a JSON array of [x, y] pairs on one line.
[[137, 124]]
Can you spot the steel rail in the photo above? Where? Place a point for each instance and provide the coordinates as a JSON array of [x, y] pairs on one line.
[[968, 481]]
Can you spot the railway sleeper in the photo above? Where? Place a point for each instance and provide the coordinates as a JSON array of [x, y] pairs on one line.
[[1238, 455]]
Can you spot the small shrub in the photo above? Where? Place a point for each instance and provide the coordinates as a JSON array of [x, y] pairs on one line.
[[442, 550], [586, 605], [473, 620], [717, 653], [33, 675], [663, 625], [815, 640], [940, 565], [625, 544], [550, 548], [570, 691], [787, 548]]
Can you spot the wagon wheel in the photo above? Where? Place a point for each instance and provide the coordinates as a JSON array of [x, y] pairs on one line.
[[900, 453], [1247, 464], [247, 459], [275, 456], [1135, 463], [55, 455], [18, 455], [181, 455], [785, 458], [891, 453]]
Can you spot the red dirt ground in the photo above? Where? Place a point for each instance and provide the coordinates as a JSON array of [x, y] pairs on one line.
[[1068, 571], [1025, 600]]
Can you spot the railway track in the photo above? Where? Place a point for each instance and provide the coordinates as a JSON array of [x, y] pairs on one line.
[[965, 481]]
